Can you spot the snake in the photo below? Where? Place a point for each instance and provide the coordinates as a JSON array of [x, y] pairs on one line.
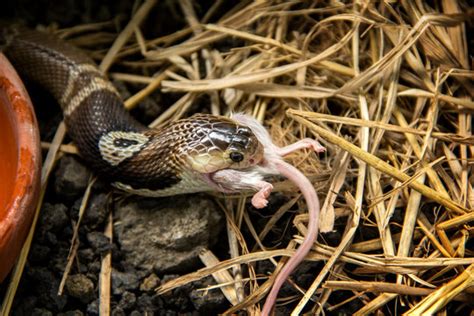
[[200, 153], [177, 158]]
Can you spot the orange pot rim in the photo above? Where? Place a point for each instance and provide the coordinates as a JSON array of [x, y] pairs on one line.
[[16, 218]]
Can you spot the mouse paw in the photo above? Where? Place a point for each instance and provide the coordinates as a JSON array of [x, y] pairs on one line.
[[314, 145], [260, 199]]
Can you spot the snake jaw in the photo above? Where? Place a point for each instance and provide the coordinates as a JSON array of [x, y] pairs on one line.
[[208, 162]]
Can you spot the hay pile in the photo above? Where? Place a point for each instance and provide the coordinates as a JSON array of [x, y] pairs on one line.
[[385, 86]]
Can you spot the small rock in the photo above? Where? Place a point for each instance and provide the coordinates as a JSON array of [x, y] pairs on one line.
[[166, 234], [117, 311], [99, 242], [38, 253], [179, 300], [46, 287], [72, 313], [53, 218], [128, 300], [207, 302], [93, 277], [41, 312], [80, 287], [96, 212], [85, 255], [48, 238], [149, 304], [150, 283], [123, 281], [71, 179], [94, 267], [25, 305], [93, 308]]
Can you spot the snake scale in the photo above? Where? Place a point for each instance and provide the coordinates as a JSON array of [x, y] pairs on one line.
[[199, 153]]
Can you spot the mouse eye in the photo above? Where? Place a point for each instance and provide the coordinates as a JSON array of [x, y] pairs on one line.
[[235, 156]]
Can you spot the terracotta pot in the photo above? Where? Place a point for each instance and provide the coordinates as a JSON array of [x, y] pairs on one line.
[[20, 162]]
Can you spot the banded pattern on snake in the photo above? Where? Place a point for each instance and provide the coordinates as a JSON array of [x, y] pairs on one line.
[[200, 153], [180, 157]]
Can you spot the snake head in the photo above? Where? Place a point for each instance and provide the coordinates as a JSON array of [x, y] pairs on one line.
[[224, 144]]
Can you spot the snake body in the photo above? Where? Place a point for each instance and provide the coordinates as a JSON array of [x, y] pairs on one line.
[[179, 157]]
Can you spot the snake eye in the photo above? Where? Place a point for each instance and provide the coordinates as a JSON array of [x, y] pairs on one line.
[[235, 156]]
